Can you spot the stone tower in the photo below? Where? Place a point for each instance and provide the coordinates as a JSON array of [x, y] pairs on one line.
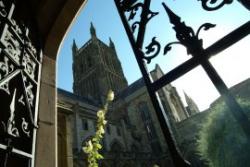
[[96, 68], [191, 105], [170, 98]]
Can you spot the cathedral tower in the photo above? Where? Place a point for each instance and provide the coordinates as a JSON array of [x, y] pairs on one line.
[[96, 68], [191, 105]]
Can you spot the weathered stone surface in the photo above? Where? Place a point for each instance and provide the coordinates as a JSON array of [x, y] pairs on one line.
[[46, 134], [46, 145], [48, 71]]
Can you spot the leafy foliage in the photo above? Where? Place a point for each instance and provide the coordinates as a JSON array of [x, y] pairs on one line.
[[94, 145], [222, 143]]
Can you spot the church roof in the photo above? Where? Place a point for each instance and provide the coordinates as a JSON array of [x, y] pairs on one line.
[[89, 42], [131, 88], [73, 96], [241, 90]]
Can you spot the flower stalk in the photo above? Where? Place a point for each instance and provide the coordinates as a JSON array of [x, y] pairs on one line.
[[94, 145]]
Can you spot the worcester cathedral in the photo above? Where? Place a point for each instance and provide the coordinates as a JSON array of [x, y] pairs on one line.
[[133, 137]]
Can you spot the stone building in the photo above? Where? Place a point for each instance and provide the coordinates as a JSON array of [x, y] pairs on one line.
[[133, 135], [43, 24]]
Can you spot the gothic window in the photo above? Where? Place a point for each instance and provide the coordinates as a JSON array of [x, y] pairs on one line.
[[134, 148], [144, 111], [116, 146], [151, 131], [85, 125], [118, 130], [156, 147], [111, 82], [127, 120], [89, 62], [108, 129], [81, 68]]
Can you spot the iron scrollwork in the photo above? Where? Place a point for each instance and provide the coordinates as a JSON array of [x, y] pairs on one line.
[[20, 66], [12, 45], [25, 127], [2, 9], [11, 127], [132, 7], [5, 67]]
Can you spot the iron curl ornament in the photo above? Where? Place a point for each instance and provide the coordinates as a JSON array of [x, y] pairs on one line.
[[245, 3], [185, 34], [132, 7], [154, 47], [211, 5]]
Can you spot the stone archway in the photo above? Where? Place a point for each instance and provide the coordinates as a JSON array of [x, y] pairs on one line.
[[53, 19]]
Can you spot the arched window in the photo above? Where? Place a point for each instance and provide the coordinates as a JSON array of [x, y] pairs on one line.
[[134, 148], [143, 108], [116, 147], [89, 62]]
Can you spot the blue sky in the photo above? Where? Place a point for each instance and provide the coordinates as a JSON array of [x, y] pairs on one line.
[[105, 18]]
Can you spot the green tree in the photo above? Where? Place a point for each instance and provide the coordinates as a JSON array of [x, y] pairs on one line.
[[222, 143]]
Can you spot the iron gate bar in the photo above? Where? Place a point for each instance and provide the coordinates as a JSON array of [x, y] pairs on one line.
[[175, 73], [229, 40], [234, 107], [143, 22], [212, 50], [162, 117]]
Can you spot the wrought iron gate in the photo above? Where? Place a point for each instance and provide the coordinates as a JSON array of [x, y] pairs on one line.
[[20, 68], [187, 37]]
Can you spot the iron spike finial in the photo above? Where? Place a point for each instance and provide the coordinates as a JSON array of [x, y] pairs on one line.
[[174, 19]]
